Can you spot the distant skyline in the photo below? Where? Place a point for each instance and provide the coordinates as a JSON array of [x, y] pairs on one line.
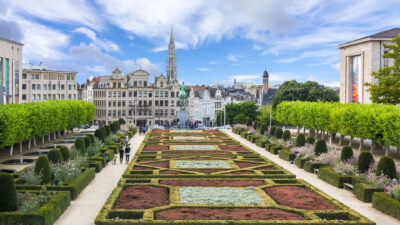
[[216, 40]]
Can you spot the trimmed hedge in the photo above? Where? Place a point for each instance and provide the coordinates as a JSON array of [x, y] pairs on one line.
[[364, 192], [46, 215], [328, 175], [364, 161], [386, 167], [65, 153], [55, 156], [310, 140], [346, 154], [43, 166], [300, 162], [278, 133], [390, 206], [8, 196], [300, 140], [320, 147], [286, 155], [260, 142], [286, 135], [309, 166]]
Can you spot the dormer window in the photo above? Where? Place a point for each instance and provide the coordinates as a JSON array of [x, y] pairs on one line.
[[161, 84]]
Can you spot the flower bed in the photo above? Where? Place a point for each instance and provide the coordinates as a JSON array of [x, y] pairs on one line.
[[142, 197], [213, 183]]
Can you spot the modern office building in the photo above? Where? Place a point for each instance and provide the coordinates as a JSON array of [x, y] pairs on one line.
[[10, 70], [358, 59]]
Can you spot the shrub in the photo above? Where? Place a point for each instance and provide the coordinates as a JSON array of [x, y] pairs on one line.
[[320, 147], [8, 195], [43, 166], [107, 129], [100, 133], [114, 126], [364, 161], [272, 131], [278, 133], [91, 138], [310, 140], [87, 140], [64, 153], [263, 128], [347, 153], [286, 135], [80, 145], [121, 121], [55, 156], [300, 140], [386, 167]]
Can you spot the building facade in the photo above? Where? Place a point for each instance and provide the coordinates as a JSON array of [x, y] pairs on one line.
[[10, 70], [38, 84], [358, 59], [137, 100]]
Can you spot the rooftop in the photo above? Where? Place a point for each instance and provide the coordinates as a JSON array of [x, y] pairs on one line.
[[383, 35], [11, 41]]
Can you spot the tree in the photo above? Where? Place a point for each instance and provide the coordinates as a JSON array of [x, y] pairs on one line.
[[248, 109], [386, 89], [264, 116], [240, 118], [220, 118]]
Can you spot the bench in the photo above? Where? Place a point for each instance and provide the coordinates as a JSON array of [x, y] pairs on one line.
[[348, 186], [316, 170]]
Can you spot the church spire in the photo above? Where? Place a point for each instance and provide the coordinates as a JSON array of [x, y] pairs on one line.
[[171, 65]]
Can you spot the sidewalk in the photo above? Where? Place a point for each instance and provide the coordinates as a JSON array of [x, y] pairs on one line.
[[344, 196], [85, 208]]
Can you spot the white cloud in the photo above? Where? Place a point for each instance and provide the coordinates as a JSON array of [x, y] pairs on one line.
[[107, 45], [231, 57], [325, 83], [319, 54], [245, 77], [256, 47], [204, 69], [336, 66]]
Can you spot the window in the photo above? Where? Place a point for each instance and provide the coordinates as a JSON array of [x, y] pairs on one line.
[[156, 102], [114, 85], [37, 76], [150, 103], [23, 86], [119, 112], [385, 60], [24, 97], [145, 83], [62, 87], [140, 83], [38, 97], [44, 86], [114, 94], [44, 97], [166, 103], [172, 94], [109, 94], [31, 76], [123, 94], [119, 85], [114, 113], [62, 96], [49, 96], [156, 94], [119, 94], [24, 76], [38, 87], [33, 97], [123, 103], [135, 83], [123, 112], [54, 87], [145, 94], [119, 103], [68, 77], [135, 94], [162, 84], [69, 96], [172, 101], [109, 103], [109, 112], [114, 103], [150, 112], [161, 103], [130, 94], [172, 112], [33, 86], [166, 94], [58, 87], [139, 93]]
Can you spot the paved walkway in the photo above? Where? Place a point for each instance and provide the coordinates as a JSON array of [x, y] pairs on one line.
[[85, 208], [344, 196]]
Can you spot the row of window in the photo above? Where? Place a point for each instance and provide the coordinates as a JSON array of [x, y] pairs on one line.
[[49, 86], [47, 77], [115, 113], [38, 97], [145, 94], [140, 103]]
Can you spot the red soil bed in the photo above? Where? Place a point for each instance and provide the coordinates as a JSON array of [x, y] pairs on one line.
[[298, 197], [237, 148], [155, 148], [159, 131], [242, 172], [207, 171], [226, 214], [196, 158], [210, 131], [170, 172], [183, 152], [142, 197], [145, 160], [267, 168], [141, 168], [246, 164], [189, 143], [163, 164], [214, 183]]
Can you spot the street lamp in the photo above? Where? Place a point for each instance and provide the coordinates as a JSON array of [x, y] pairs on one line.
[[270, 112], [134, 103], [224, 115]]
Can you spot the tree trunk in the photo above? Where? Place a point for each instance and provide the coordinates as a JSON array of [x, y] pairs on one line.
[[11, 149], [34, 142], [29, 144], [351, 141], [49, 137], [331, 138], [316, 134], [42, 139], [322, 134], [361, 144], [20, 146], [298, 129], [372, 146], [398, 150], [54, 134], [304, 130], [341, 139], [387, 148]]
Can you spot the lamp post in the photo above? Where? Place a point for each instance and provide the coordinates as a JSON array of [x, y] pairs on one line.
[[134, 103], [270, 112], [224, 115]]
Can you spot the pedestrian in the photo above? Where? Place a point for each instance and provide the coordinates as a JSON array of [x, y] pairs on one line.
[[127, 153], [127, 140], [121, 154]]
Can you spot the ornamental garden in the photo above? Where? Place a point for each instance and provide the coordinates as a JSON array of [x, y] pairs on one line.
[[206, 177]]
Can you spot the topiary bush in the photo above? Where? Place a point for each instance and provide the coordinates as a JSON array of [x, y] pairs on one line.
[[121, 121], [346, 154], [310, 140], [300, 140], [320, 147], [91, 138], [87, 141], [364, 161], [8, 195], [80, 145], [272, 131], [263, 128], [108, 130], [43, 166], [278, 133], [386, 167], [286, 135], [64, 153], [55, 156], [100, 133]]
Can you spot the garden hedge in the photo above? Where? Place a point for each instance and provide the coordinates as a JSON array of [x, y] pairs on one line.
[[309, 166], [8, 196], [300, 162], [286, 155], [364, 191], [260, 142], [46, 215], [328, 175], [382, 202]]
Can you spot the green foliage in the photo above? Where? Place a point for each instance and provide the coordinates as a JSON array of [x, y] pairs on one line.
[[386, 204], [386, 89], [308, 91], [346, 154], [364, 161], [240, 119], [114, 126], [220, 118], [264, 116], [320, 147], [263, 128], [247, 109], [100, 133], [42, 166], [328, 175], [300, 140], [91, 138], [55, 156], [310, 140], [8, 195], [272, 132], [386, 167], [65, 153], [80, 145], [286, 135], [108, 130], [121, 121], [278, 133], [87, 141]]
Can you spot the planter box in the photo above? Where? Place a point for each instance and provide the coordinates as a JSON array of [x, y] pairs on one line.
[[300, 162], [45, 215], [310, 166], [286, 155], [364, 192], [386, 204], [74, 187], [328, 175]]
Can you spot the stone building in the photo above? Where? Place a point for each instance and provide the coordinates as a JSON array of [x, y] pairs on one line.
[[358, 59], [38, 83], [10, 70], [137, 100]]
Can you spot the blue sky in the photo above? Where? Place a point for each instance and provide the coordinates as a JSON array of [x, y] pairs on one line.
[[216, 40]]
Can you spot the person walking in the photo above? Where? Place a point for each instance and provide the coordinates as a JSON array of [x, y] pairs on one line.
[[121, 154], [127, 153], [127, 140]]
